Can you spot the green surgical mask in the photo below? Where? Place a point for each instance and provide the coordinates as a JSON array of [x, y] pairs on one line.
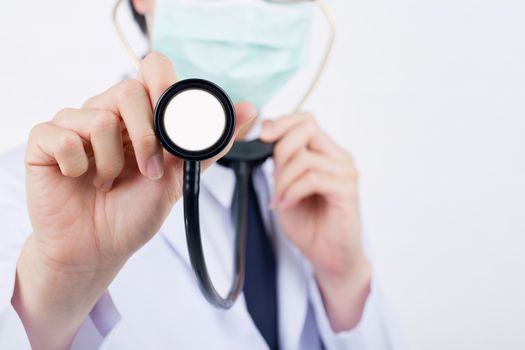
[[250, 48]]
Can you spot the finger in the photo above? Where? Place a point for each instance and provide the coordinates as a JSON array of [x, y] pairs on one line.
[[274, 130], [303, 162], [102, 129], [131, 102], [245, 114], [315, 183], [49, 145], [295, 140], [157, 74]]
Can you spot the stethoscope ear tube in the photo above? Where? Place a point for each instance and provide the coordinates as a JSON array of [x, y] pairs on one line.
[[193, 234]]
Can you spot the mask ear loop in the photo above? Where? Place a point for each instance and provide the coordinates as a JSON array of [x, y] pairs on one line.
[[330, 17], [134, 59]]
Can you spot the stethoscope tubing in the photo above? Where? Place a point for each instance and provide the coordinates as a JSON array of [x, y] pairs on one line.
[[193, 233], [242, 158]]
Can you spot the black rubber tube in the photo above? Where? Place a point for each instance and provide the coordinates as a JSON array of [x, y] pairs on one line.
[[193, 233]]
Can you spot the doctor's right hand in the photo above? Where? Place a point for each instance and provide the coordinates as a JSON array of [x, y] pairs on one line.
[[99, 186]]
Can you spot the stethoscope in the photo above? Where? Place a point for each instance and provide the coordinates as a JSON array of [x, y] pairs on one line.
[[179, 117], [183, 112]]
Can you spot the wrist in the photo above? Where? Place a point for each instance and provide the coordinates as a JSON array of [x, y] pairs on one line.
[[344, 272], [345, 293], [53, 302]]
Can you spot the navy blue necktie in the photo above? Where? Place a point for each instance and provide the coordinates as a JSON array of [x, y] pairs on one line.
[[260, 285]]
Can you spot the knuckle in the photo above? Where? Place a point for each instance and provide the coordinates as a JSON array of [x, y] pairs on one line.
[[68, 143], [312, 128], [148, 141], [312, 178], [308, 117], [353, 174], [35, 130], [90, 101], [155, 56], [63, 113], [304, 159], [104, 119], [129, 87]]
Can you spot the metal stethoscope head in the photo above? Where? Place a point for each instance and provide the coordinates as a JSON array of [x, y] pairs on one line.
[[178, 118]]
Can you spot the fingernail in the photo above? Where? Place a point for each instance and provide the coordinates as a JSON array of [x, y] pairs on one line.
[[106, 186], [155, 168]]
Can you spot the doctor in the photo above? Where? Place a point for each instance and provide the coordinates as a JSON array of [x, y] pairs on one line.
[[96, 257]]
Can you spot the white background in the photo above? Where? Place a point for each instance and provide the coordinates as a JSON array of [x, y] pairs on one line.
[[430, 98]]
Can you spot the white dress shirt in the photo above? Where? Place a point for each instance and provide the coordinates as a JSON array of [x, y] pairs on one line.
[[155, 303]]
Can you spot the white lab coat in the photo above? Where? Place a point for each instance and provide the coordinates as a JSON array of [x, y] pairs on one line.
[[155, 303]]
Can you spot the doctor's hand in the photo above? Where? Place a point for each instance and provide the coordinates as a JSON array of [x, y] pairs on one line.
[[99, 186], [317, 205]]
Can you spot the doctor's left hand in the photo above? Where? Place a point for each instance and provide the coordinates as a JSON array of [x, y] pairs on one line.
[[317, 205]]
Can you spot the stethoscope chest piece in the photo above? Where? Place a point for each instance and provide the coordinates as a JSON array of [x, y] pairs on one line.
[[194, 119]]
